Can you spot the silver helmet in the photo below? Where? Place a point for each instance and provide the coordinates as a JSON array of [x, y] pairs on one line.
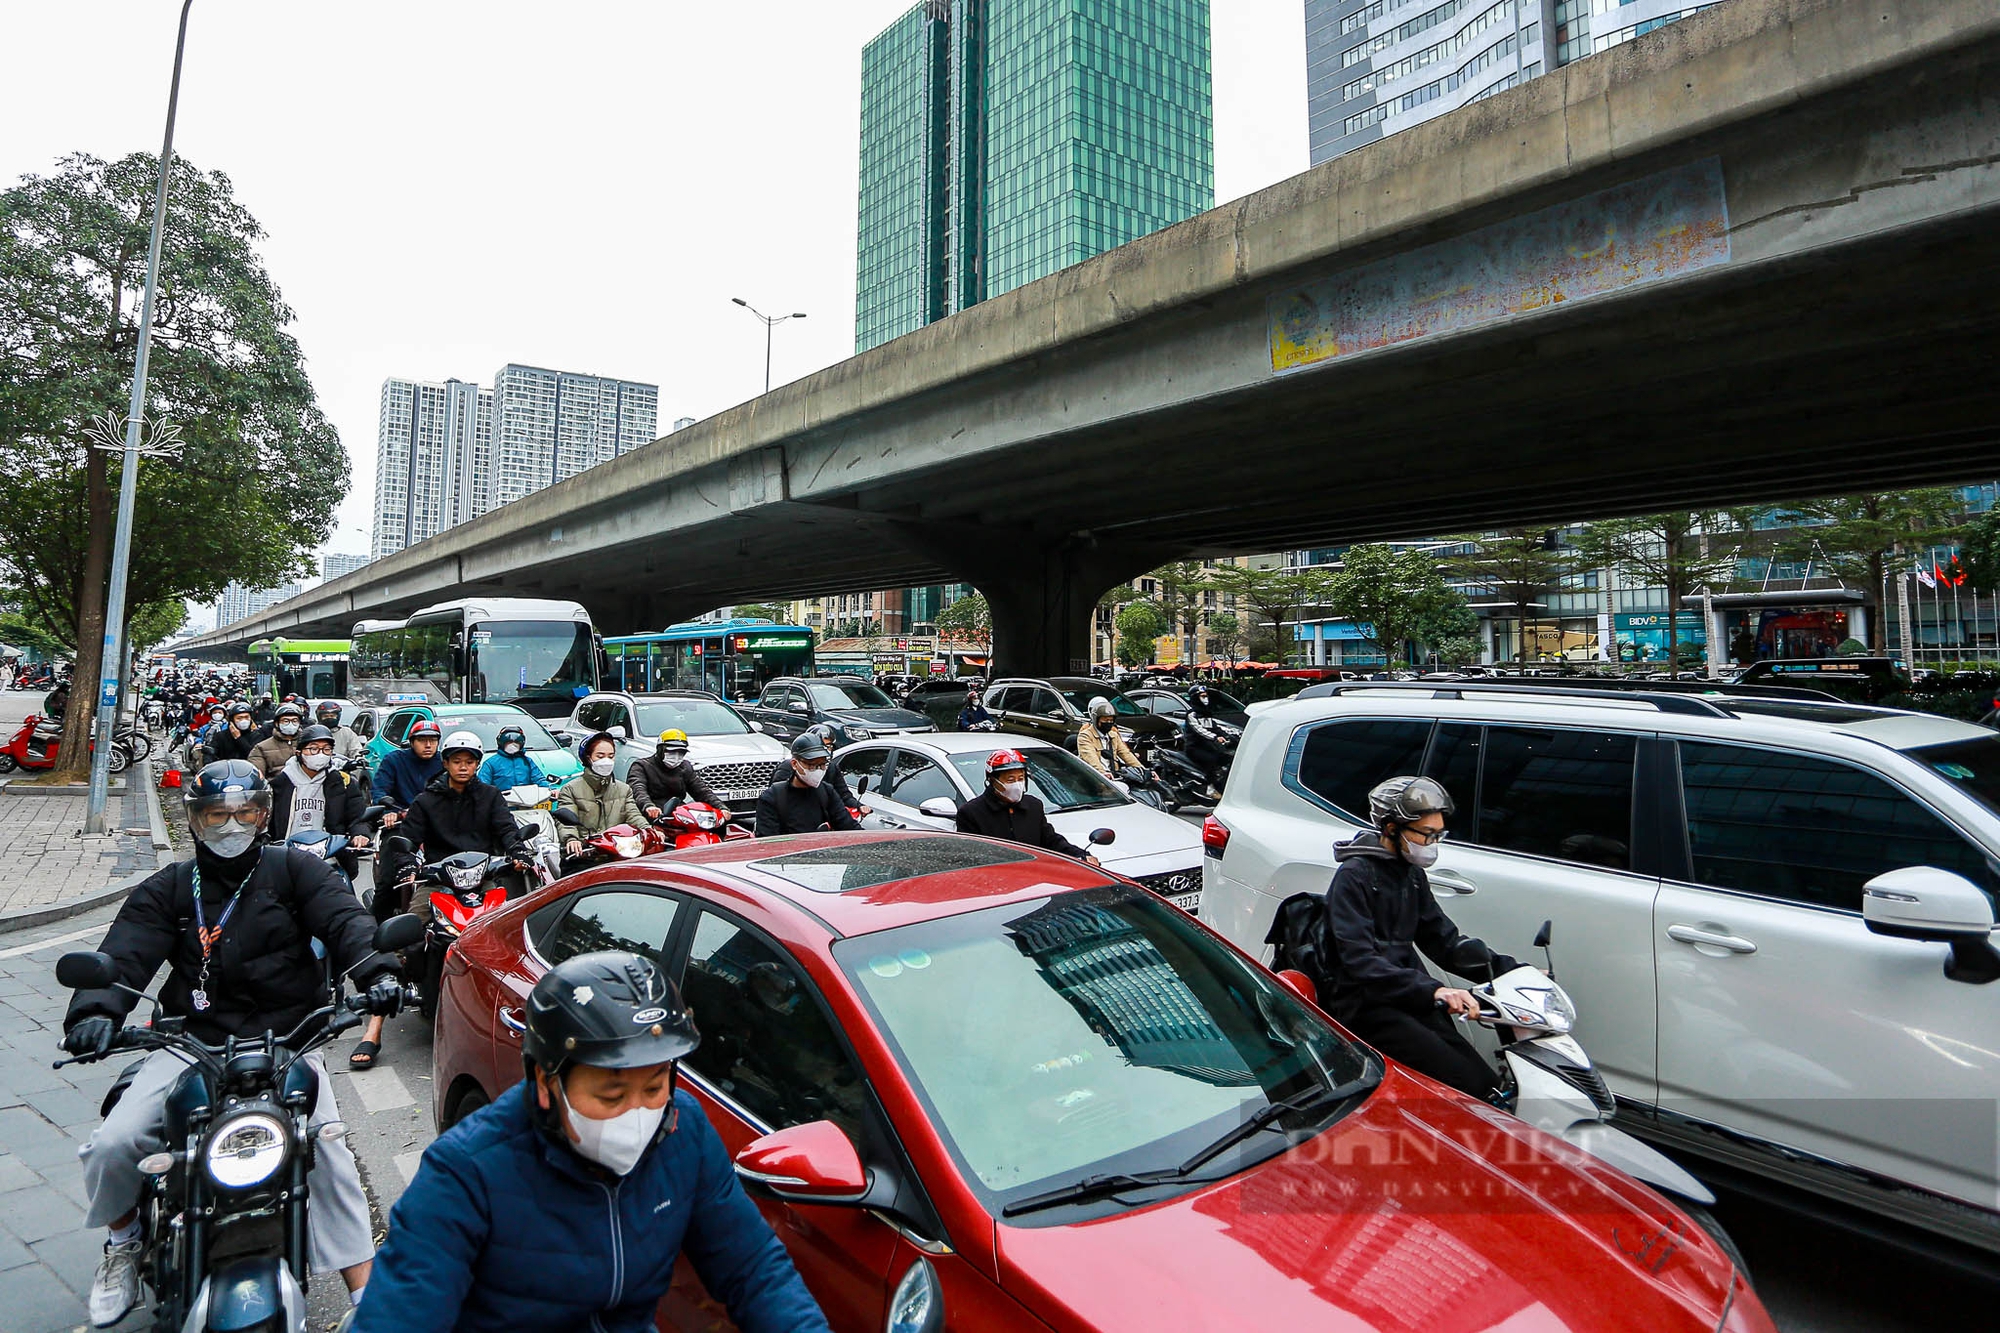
[[1407, 799]]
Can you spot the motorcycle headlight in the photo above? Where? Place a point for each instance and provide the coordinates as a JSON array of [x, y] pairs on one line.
[[466, 877], [247, 1150], [918, 1305], [704, 819], [629, 845]]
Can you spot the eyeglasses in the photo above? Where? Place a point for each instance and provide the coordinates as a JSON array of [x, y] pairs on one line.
[[1424, 838]]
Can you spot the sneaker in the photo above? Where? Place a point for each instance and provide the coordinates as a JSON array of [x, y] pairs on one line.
[[115, 1289]]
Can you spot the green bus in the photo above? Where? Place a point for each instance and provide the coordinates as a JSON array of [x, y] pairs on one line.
[[309, 668]]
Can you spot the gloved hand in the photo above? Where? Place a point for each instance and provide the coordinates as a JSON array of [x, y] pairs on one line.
[[385, 997], [90, 1036]]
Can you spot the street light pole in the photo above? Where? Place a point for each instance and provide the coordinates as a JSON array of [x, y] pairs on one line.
[[111, 672], [770, 322]]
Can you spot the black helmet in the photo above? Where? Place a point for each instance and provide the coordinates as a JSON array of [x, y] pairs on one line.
[[328, 712], [512, 733], [227, 784], [314, 733], [614, 1010]]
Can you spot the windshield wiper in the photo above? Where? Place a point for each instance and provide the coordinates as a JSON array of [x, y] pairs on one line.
[[1098, 1187], [1311, 1099]]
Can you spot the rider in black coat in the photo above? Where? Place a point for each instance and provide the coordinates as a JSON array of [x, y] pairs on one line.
[[1005, 810]]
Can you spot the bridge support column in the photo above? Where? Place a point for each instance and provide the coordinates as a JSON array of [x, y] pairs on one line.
[[1042, 590]]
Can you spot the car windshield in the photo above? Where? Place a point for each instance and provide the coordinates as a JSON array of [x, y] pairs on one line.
[[1080, 700], [855, 694], [697, 717], [487, 726], [1973, 765], [1057, 777], [1133, 1038]]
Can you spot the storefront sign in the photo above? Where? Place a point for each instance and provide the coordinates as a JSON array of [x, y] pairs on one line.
[[1687, 621]]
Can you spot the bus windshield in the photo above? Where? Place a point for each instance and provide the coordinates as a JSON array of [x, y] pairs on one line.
[[542, 665]]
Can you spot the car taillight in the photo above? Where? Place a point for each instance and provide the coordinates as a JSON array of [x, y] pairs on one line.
[[1214, 836]]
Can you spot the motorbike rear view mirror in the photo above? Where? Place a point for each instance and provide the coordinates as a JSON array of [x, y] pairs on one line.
[[396, 842], [563, 815], [1103, 837], [86, 971], [374, 812], [399, 933], [940, 807], [1542, 943]]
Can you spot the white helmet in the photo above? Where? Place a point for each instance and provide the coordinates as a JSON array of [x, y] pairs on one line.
[[1101, 707], [460, 740]]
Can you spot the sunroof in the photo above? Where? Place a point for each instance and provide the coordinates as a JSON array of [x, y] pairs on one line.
[[861, 865]]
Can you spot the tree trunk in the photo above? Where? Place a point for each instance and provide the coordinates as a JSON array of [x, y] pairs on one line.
[[1878, 580], [73, 760]]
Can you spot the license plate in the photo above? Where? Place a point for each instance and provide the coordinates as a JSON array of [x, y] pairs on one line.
[[1187, 902]]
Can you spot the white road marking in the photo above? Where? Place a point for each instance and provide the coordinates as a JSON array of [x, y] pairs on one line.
[[380, 1090], [20, 949], [407, 1162]]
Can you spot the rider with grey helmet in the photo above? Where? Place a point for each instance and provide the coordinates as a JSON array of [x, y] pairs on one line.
[[596, 1146], [272, 753], [1384, 921]]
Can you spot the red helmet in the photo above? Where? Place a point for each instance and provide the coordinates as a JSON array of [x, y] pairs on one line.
[[425, 727], [1002, 760]]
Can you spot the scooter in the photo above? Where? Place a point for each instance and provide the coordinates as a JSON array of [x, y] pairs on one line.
[[463, 887], [1184, 781], [36, 744], [1549, 1081], [1146, 789], [698, 824], [533, 809]]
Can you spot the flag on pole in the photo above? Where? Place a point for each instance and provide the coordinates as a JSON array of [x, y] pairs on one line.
[[1927, 578]]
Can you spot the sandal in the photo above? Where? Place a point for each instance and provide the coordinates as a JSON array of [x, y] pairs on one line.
[[364, 1055]]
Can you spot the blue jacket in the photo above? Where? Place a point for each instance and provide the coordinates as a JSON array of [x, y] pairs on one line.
[[502, 1230], [504, 771], [402, 777]]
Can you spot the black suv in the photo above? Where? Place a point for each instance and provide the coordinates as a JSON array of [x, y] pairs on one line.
[[855, 708], [1055, 708]]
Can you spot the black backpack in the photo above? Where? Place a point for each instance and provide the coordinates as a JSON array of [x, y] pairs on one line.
[[1299, 940]]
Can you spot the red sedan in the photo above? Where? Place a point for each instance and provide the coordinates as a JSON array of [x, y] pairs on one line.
[[978, 1087]]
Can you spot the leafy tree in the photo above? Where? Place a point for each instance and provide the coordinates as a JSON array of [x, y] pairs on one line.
[[1396, 594], [1140, 624], [857, 628], [969, 618], [1273, 600], [252, 494], [1680, 551], [1181, 585], [1447, 618], [155, 622], [1979, 551], [1853, 536], [761, 611], [1225, 636], [1519, 565]]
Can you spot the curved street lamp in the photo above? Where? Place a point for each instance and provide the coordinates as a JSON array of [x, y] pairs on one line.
[[770, 322]]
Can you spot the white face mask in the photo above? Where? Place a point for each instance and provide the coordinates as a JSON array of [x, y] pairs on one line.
[[603, 767], [1012, 792], [812, 777], [1420, 855], [231, 841], [616, 1144], [317, 762], [288, 728]]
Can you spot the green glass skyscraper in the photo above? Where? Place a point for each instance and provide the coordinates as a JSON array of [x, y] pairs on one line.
[[1002, 140]]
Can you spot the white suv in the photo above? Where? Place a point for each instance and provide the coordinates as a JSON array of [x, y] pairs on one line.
[[1707, 858]]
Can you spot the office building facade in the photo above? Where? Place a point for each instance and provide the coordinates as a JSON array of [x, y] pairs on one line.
[[446, 453], [1377, 66], [337, 564], [1002, 140]]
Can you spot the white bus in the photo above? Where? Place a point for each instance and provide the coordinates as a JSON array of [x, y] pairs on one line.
[[537, 653]]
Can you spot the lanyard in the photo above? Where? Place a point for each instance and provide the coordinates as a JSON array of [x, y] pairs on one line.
[[209, 937]]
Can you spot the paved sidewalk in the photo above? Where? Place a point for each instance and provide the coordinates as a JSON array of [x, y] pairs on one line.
[[50, 860]]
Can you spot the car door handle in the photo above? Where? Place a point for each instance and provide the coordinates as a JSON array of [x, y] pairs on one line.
[[1452, 883], [514, 1021], [1714, 939]]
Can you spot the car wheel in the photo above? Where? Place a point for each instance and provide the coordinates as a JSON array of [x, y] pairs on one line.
[[472, 1099], [1706, 1220]]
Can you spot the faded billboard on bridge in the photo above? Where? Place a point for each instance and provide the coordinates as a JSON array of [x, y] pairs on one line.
[[1664, 225]]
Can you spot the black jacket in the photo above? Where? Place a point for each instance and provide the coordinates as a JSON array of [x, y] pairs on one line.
[[784, 807], [1380, 913], [346, 799], [1025, 822], [656, 783], [442, 821], [262, 972], [230, 743]]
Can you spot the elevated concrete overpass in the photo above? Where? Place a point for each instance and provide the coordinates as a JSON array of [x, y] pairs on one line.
[[1747, 257]]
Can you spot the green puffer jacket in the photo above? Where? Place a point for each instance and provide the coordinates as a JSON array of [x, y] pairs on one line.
[[601, 803]]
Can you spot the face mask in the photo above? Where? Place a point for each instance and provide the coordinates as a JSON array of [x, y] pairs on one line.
[[812, 777], [231, 841], [603, 767], [1012, 792], [616, 1144], [510, 749], [1104, 724], [215, 717], [241, 724], [1419, 855], [317, 762], [288, 728]]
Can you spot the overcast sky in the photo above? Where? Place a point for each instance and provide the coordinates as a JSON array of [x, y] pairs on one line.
[[449, 186]]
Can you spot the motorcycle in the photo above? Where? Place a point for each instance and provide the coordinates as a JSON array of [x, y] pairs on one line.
[[330, 847], [39, 739], [1143, 787], [1184, 780], [462, 887], [622, 842], [223, 1210], [1548, 1080], [533, 809], [698, 824]]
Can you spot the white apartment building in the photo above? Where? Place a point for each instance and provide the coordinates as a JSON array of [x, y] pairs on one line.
[[549, 425], [238, 602]]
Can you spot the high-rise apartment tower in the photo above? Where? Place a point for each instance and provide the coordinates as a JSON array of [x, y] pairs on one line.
[[1002, 140]]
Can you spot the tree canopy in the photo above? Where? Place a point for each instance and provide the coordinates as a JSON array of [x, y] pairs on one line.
[[1400, 596], [968, 618], [1680, 551], [1140, 624]]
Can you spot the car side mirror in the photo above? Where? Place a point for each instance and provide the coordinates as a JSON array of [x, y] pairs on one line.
[[399, 933], [755, 725], [615, 732], [940, 807], [86, 971], [811, 1163], [796, 707], [564, 739], [1299, 984], [364, 727], [1103, 837], [1925, 903]]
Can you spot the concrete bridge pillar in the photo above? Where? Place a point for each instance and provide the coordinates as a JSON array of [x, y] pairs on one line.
[[1042, 589]]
